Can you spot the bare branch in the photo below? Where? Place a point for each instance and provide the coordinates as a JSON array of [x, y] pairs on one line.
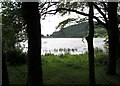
[[82, 13], [46, 11], [104, 16], [49, 12], [105, 6]]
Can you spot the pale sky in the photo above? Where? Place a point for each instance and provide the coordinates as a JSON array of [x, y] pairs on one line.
[[48, 26], [50, 23]]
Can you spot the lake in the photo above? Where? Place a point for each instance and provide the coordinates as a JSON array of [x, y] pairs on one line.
[[68, 45]]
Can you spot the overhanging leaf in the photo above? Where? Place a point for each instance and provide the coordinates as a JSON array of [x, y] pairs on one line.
[[65, 22]]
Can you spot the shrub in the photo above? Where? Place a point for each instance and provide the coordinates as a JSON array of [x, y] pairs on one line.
[[101, 59], [15, 56]]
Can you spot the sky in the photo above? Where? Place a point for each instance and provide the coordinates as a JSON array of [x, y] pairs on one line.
[[48, 26]]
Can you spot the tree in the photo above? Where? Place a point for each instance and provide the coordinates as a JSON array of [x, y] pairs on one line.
[[119, 44], [113, 36], [5, 78], [32, 18], [12, 24], [13, 32], [10, 30], [89, 39], [103, 9]]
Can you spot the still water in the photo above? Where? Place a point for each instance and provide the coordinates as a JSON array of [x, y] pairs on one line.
[[68, 45]]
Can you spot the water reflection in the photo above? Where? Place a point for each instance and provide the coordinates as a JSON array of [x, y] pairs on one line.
[[65, 45], [68, 45]]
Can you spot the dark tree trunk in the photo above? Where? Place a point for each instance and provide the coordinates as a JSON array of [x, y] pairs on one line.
[[32, 18], [113, 37], [119, 46], [90, 46], [5, 79]]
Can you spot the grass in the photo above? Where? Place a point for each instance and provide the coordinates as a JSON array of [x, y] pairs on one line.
[[67, 69], [18, 74]]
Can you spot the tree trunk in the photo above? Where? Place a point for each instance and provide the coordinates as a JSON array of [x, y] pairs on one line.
[[119, 45], [32, 18], [113, 37], [5, 79], [90, 46]]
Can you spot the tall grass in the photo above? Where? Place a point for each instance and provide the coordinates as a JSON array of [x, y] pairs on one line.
[[68, 69]]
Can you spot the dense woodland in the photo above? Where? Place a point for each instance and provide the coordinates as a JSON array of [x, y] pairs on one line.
[[78, 31], [22, 21]]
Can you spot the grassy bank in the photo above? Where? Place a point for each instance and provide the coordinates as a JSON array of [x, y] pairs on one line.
[[67, 69]]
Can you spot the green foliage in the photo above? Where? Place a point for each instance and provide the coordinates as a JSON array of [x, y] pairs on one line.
[[100, 31], [67, 69], [78, 30], [13, 32], [15, 56], [73, 31], [17, 74], [63, 23], [71, 5], [101, 58], [79, 7], [13, 27]]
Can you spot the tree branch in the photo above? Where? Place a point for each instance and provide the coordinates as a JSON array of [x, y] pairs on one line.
[[49, 12], [45, 10], [72, 10], [81, 13], [105, 6], [104, 16]]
